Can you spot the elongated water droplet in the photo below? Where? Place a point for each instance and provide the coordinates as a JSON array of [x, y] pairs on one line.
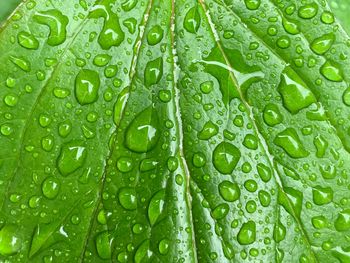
[[155, 207], [103, 246], [57, 22], [111, 33], [153, 72], [192, 20], [155, 35], [27, 40]]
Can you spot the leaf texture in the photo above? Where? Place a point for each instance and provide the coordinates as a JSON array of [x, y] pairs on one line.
[[174, 131]]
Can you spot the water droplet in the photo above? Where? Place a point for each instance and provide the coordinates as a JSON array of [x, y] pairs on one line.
[[164, 246], [290, 27], [226, 157], [296, 96], [61, 93], [129, 5], [319, 222], [124, 164], [192, 20], [148, 164], [209, 130], [57, 22], [20, 62], [321, 146], [346, 97], [331, 72], [252, 4], [272, 115], [130, 24], [251, 142], [156, 205], [143, 134], [6, 129], [164, 95], [103, 246], [27, 40], [264, 198], [291, 143], [47, 143], [64, 128], [111, 33], [199, 160], [155, 35], [322, 195], [71, 158], [220, 211], [127, 198], [50, 187], [279, 232], [10, 242], [308, 11], [143, 253], [247, 233], [153, 72], [229, 191], [11, 100], [327, 17], [322, 44], [342, 223], [87, 84], [102, 60]]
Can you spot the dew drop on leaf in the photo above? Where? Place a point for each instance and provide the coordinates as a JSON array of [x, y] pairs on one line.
[[10, 241], [127, 198], [87, 84], [226, 157], [50, 187], [143, 133], [71, 158]]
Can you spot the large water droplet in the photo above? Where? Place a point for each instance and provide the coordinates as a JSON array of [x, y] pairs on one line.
[[57, 22], [127, 198], [156, 205], [71, 158], [111, 33], [226, 157], [322, 44], [209, 130], [296, 96], [50, 187], [291, 143], [322, 195], [27, 40], [87, 84], [229, 191], [331, 72], [247, 233], [142, 135], [272, 115], [192, 20], [342, 223], [153, 72], [308, 11], [103, 246], [10, 242]]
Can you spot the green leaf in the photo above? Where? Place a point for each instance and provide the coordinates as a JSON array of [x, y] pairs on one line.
[[174, 131], [6, 7]]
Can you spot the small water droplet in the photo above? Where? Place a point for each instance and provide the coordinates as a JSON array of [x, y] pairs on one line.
[[71, 158], [87, 84]]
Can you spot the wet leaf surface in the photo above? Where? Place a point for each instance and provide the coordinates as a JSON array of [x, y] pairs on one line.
[[174, 131]]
